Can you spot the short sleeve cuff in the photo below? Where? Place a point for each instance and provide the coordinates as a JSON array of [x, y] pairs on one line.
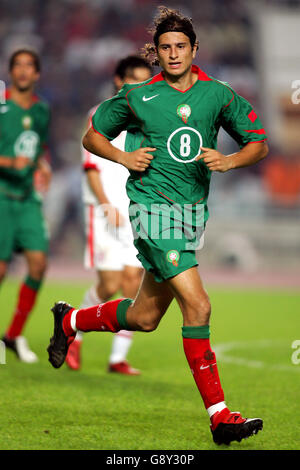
[[90, 166]]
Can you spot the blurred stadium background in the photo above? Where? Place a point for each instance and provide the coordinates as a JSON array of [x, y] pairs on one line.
[[254, 228]]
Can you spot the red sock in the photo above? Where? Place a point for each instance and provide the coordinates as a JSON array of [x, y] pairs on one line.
[[202, 361], [102, 317], [26, 301]]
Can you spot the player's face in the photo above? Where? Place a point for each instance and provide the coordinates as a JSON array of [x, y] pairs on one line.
[[138, 75], [23, 73], [175, 53], [135, 75]]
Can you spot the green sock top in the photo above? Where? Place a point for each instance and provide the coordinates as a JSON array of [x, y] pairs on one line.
[[200, 332], [121, 313], [32, 283]]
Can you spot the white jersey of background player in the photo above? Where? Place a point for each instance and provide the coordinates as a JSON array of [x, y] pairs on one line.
[[109, 241]]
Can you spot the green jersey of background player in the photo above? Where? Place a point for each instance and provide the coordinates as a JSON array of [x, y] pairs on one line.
[[179, 112], [24, 122]]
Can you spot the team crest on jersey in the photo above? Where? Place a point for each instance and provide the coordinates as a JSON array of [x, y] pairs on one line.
[[27, 122], [173, 257], [184, 111]]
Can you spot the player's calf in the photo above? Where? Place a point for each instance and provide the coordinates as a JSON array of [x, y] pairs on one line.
[[73, 357], [109, 316]]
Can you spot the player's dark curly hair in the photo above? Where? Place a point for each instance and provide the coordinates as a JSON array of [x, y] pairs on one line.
[[165, 21], [126, 66], [25, 50]]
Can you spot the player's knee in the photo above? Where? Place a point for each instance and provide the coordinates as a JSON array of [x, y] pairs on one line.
[[130, 287], [132, 278], [109, 288], [38, 268]]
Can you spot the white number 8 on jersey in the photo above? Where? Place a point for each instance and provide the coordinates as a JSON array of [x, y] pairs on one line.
[[184, 144]]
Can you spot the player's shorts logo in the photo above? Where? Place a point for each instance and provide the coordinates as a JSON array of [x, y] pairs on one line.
[[184, 144], [27, 144], [173, 257], [184, 111]]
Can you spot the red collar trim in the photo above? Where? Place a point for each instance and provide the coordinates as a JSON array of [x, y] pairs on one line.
[[34, 99], [202, 76], [157, 78]]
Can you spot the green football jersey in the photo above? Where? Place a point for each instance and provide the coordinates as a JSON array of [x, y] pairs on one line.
[[22, 132], [177, 124]]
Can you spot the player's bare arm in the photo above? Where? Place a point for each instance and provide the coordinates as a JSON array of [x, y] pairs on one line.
[[16, 163], [139, 160], [112, 213], [6, 162], [247, 156], [44, 174]]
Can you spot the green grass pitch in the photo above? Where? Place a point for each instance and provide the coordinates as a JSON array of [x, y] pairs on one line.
[[251, 331]]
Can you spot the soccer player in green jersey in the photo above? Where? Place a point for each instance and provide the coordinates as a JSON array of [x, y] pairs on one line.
[[179, 111], [24, 121]]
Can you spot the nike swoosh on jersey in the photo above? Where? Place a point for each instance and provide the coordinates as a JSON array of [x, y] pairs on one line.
[[206, 367], [150, 97]]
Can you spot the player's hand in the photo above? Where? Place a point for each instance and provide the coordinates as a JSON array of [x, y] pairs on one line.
[[20, 162], [139, 160], [42, 178], [215, 160], [113, 216]]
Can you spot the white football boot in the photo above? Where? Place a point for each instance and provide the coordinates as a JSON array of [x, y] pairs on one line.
[[20, 347]]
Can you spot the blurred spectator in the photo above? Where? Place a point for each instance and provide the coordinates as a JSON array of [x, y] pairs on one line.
[[281, 175]]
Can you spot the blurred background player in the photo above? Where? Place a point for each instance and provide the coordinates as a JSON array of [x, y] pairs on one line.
[[109, 242], [24, 121]]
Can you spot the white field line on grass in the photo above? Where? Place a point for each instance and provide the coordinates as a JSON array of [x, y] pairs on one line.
[[223, 349]]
